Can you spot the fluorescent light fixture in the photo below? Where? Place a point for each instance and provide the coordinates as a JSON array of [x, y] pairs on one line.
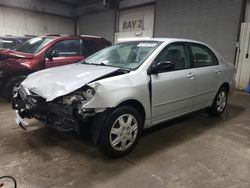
[[34, 40], [7, 41]]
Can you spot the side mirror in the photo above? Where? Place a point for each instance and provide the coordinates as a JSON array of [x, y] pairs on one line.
[[161, 66], [52, 54]]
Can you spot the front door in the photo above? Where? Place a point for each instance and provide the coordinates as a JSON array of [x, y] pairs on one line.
[[63, 53], [173, 91]]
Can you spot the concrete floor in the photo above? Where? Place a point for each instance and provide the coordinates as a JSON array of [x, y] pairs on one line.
[[194, 151]]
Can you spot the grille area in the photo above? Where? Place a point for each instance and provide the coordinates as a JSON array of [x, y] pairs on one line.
[[22, 93]]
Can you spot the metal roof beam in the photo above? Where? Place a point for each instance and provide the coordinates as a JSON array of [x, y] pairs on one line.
[[43, 6]]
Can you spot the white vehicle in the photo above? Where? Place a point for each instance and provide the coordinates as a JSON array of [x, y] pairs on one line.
[[124, 88]]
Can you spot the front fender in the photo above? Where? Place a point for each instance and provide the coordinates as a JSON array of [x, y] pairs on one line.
[[113, 91]]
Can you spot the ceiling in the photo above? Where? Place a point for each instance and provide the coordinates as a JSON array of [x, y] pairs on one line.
[[84, 7], [67, 8], [79, 3]]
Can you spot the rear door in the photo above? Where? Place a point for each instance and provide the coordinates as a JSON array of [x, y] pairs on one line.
[[68, 52], [208, 74], [89, 47], [173, 91]]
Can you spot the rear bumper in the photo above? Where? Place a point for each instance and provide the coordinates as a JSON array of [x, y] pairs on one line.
[[61, 117]]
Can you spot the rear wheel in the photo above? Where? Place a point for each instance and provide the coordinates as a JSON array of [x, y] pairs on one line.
[[121, 132], [219, 103]]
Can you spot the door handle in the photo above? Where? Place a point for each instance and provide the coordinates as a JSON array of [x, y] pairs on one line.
[[190, 75], [218, 71]]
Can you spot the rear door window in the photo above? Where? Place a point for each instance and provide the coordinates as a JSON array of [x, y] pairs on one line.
[[202, 56], [89, 47]]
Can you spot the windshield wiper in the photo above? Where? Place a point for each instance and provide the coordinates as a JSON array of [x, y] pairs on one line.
[[124, 70], [100, 64]]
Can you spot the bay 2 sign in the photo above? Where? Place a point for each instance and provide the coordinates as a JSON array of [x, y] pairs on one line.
[[135, 24]]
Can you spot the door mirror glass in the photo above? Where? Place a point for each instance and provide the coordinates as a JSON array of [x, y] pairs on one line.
[[52, 54], [161, 66]]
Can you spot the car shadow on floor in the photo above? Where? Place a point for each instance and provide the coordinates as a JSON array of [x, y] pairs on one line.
[[167, 134], [80, 152]]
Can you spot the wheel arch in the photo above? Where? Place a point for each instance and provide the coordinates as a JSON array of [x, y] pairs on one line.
[[137, 105], [9, 83], [97, 123], [15, 75], [226, 85]]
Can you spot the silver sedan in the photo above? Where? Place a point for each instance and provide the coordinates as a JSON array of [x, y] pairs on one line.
[[122, 89]]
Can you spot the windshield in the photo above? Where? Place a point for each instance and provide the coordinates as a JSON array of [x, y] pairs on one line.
[[33, 46], [129, 55]]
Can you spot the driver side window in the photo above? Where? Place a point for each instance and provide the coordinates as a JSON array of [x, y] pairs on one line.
[[174, 53], [67, 48]]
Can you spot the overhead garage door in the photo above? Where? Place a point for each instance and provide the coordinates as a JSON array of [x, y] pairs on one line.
[[215, 22]]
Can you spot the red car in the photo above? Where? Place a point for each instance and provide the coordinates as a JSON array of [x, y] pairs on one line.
[[41, 53]]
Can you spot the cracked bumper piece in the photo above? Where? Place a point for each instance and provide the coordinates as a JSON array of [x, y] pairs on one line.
[[58, 116], [20, 121]]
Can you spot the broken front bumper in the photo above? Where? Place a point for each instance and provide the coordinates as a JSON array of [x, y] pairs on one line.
[[58, 116], [20, 121]]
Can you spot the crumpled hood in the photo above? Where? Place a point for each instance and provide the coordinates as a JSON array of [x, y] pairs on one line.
[[55, 82], [7, 53]]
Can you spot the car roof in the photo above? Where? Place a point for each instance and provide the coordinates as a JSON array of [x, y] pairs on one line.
[[161, 40], [71, 36], [171, 40]]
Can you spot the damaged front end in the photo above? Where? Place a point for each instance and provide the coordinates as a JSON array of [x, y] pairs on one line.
[[63, 113]]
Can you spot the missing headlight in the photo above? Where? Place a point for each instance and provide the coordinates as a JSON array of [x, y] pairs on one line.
[[79, 97]]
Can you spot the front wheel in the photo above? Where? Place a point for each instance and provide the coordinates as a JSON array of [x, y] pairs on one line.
[[219, 103], [121, 131], [11, 84]]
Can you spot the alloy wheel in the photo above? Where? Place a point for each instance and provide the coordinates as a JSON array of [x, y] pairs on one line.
[[221, 101], [123, 132]]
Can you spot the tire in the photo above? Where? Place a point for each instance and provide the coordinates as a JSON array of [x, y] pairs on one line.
[[8, 91], [220, 103], [126, 125]]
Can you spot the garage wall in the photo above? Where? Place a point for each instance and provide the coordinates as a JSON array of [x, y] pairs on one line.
[[135, 22], [20, 22], [247, 16], [215, 22], [100, 24]]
